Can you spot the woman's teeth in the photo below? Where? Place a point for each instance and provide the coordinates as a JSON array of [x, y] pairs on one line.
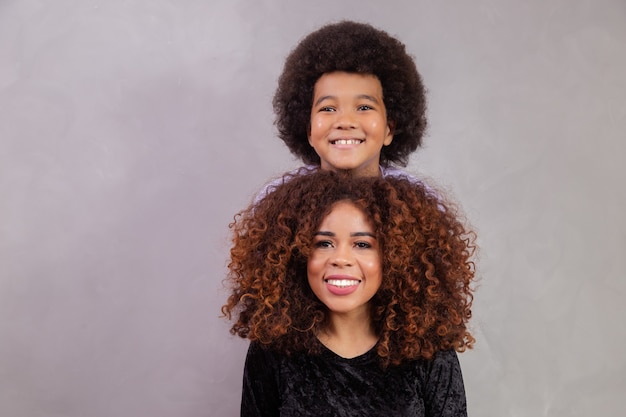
[[343, 282]]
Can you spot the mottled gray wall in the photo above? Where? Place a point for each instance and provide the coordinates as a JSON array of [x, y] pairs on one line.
[[131, 132]]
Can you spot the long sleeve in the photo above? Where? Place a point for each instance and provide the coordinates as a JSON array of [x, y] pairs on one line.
[[260, 397], [444, 393]]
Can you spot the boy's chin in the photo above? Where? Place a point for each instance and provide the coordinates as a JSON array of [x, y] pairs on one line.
[[353, 170], [347, 172]]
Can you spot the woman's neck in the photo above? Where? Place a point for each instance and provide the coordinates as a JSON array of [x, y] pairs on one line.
[[348, 336]]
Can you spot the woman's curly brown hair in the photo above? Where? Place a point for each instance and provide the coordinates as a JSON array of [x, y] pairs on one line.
[[359, 48], [424, 301]]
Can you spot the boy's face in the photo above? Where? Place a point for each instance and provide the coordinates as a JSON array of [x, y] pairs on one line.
[[349, 124]]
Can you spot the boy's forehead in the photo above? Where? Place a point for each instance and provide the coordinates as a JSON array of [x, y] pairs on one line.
[[349, 73], [341, 80]]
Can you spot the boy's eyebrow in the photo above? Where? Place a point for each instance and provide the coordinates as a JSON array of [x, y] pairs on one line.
[[360, 96], [368, 97]]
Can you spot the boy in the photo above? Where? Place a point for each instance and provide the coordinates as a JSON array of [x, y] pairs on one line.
[[350, 99]]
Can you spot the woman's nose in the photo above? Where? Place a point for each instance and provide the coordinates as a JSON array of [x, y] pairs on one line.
[[342, 257]]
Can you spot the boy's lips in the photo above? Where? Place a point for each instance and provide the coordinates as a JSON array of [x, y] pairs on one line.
[[346, 141]]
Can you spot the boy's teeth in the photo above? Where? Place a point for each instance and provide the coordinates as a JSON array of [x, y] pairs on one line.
[[347, 141], [343, 282]]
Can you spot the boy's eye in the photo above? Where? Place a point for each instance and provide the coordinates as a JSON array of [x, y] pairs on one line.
[[327, 108], [364, 107]]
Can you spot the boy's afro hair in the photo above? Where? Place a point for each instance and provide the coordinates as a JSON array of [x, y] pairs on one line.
[[358, 48]]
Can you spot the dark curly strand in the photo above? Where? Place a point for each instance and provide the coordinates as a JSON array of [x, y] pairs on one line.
[[358, 48], [424, 302]]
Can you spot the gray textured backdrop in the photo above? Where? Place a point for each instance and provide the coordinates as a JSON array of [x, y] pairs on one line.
[[132, 131]]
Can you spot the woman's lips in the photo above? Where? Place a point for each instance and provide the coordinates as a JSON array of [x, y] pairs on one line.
[[342, 285]]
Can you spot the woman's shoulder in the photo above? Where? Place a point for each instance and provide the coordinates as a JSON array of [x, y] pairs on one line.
[[444, 367]]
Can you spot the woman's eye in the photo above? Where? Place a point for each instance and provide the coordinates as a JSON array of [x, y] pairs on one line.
[[323, 244], [363, 245]]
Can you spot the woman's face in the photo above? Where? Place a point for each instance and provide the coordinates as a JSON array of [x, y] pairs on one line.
[[345, 267]]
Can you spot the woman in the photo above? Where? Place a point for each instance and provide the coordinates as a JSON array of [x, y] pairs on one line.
[[355, 294]]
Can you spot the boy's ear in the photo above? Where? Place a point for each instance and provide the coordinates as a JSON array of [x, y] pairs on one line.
[[308, 134], [391, 127]]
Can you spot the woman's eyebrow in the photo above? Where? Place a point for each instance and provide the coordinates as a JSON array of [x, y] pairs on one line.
[[363, 234], [323, 233], [355, 234]]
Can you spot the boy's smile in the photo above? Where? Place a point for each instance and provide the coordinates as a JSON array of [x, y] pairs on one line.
[[349, 123], [346, 141]]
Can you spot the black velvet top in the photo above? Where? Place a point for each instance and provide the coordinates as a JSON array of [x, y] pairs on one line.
[[328, 385]]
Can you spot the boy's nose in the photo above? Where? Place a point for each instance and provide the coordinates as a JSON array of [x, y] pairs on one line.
[[346, 121]]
